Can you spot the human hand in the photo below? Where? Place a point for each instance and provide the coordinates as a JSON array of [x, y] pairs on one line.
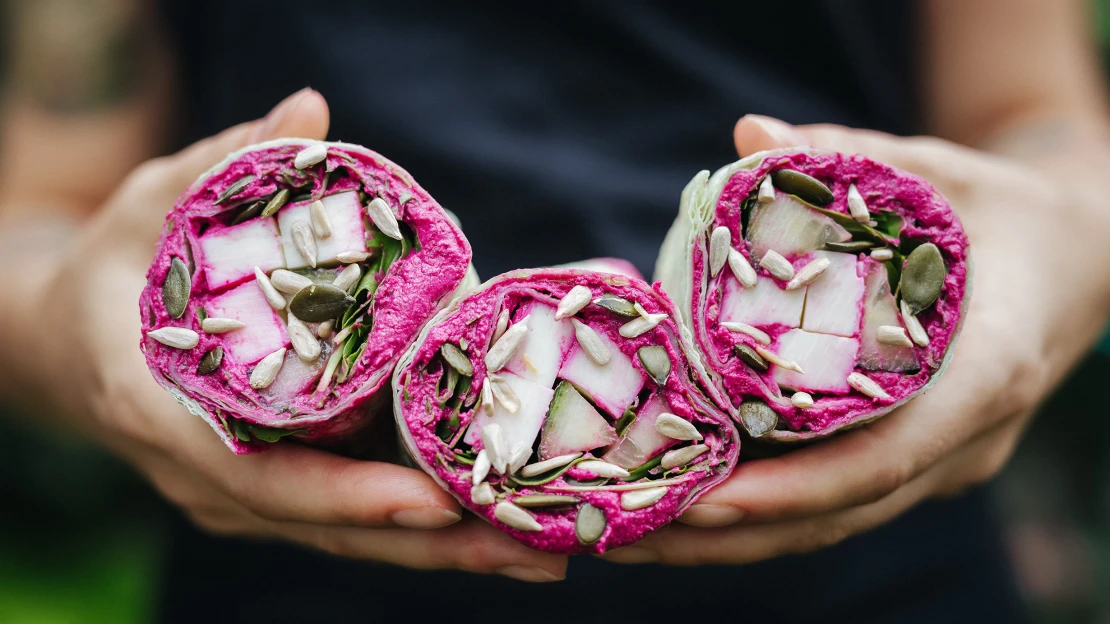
[[1040, 296], [92, 364]]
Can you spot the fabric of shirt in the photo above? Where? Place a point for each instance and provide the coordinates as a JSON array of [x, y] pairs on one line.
[[560, 131]]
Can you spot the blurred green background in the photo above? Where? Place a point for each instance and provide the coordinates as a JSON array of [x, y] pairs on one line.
[[79, 537]]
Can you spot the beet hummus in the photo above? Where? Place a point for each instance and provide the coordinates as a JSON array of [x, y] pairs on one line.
[[822, 289], [561, 406], [287, 282]]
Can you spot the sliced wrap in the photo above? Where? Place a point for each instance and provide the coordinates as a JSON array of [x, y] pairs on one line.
[[822, 290], [287, 282], [573, 434]]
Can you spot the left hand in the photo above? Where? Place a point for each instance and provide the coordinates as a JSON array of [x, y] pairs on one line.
[[1041, 294]]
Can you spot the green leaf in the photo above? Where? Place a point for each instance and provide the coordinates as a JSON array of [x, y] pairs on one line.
[[642, 471], [546, 477], [625, 421], [271, 434], [855, 228], [201, 314], [888, 223]]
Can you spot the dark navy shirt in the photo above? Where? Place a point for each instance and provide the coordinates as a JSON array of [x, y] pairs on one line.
[[559, 131]]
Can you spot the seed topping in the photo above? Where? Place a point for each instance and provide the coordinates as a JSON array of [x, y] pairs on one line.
[[676, 427], [382, 216], [802, 400], [219, 325], [656, 361], [777, 265], [319, 302], [211, 361], [177, 288], [892, 335], [591, 343], [310, 155], [348, 257], [266, 371], [867, 386], [273, 297], [516, 517], [913, 326], [321, 224], [456, 359], [749, 356], [640, 499], [590, 524], [775, 359], [758, 418], [602, 469], [882, 255], [741, 268], [176, 337], [809, 272], [481, 467], [682, 456], [493, 439], [766, 191], [743, 328], [482, 494], [304, 241], [573, 302], [857, 207], [616, 305], [503, 349], [289, 282], [304, 342], [541, 467], [347, 278], [719, 243]]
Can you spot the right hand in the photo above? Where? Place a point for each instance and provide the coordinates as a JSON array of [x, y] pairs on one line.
[[91, 364]]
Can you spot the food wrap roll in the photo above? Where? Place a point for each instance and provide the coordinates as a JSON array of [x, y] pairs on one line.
[[560, 405], [822, 289], [287, 281]]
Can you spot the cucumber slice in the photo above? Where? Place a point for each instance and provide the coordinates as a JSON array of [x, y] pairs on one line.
[[573, 425]]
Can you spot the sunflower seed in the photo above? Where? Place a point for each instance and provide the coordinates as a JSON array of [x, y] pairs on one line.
[[541, 467], [892, 335], [856, 206], [777, 265], [324, 329], [481, 467], [529, 365], [882, 255], [273, 297], [266, 371], [518, 457], [310, 155], [590, 524], [676, 428], [743, 328], [801, 400], [923, 276], [319, 302], [348, 257], [617, 305], [218, 325], [503, 349], [766, 191], [781, 362], [867, 386], [741, 269], [516, 517], [758, 418], [304, 241], [639, 499], [275, 203], [913, 326], [849, 246], [533, 501], [602, 469], [211, 361], [573, 302], [656, 361], [493, 439], [456, 359], [487, 395], [304, 342], [802, 186], [382, 216], [720, 241], [639, 326], [591, 343], [177, 288], [289, 282], [808, 273], [682, 456], [504, 395], [749, 356], [502, 325], [482, 494], [233, 190], [348, 277], [321, 224], [176, 337]]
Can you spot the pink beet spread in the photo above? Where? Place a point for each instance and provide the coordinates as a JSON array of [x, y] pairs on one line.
[[927, 218], [413, 289], [472, 322]]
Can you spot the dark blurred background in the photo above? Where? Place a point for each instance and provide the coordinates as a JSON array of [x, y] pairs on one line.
[[80, 534]]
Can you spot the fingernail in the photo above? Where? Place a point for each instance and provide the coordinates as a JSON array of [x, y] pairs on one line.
[[528, 574], [425, 517], [777, 130], [278, 114], [631, 554], [706, 515]]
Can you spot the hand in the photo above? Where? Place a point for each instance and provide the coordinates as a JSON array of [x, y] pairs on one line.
[[360, 509], [1038, 302]]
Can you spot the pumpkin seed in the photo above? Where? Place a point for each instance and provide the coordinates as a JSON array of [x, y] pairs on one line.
[[319, 302], [590, 524], [741, 268], [913, 326], [743, 328], [310, 155], [923, 276], [456, 359], [289, 282], [534, 501], [758, 418], [676, 427], [802, 186], [720, 241], [304, 241], [273, 297], [590, 342], [541, 467], [802, 400], [384, 219], [266, 371], [177, 288], [176, 337], [808, 273], [867, 386], [748, 356], [482, 494], [211, 361], [234, 189], [321, 225], [248, 213], [849, 246], [857, 207], [275, 203], [481, 467], [766, 191], [777, 265], [503, 349], [656, 361], [217, 325], [616, 305], [639, 499], [516, 517]]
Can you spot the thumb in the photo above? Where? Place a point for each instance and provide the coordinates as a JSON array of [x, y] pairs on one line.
[[756, 133], [303, 114]]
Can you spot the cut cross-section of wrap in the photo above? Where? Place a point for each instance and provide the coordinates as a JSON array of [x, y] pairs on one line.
[[287, 282], [560, 405], [822, 290]]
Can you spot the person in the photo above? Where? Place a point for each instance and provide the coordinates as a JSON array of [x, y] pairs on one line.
[[558, 132]]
